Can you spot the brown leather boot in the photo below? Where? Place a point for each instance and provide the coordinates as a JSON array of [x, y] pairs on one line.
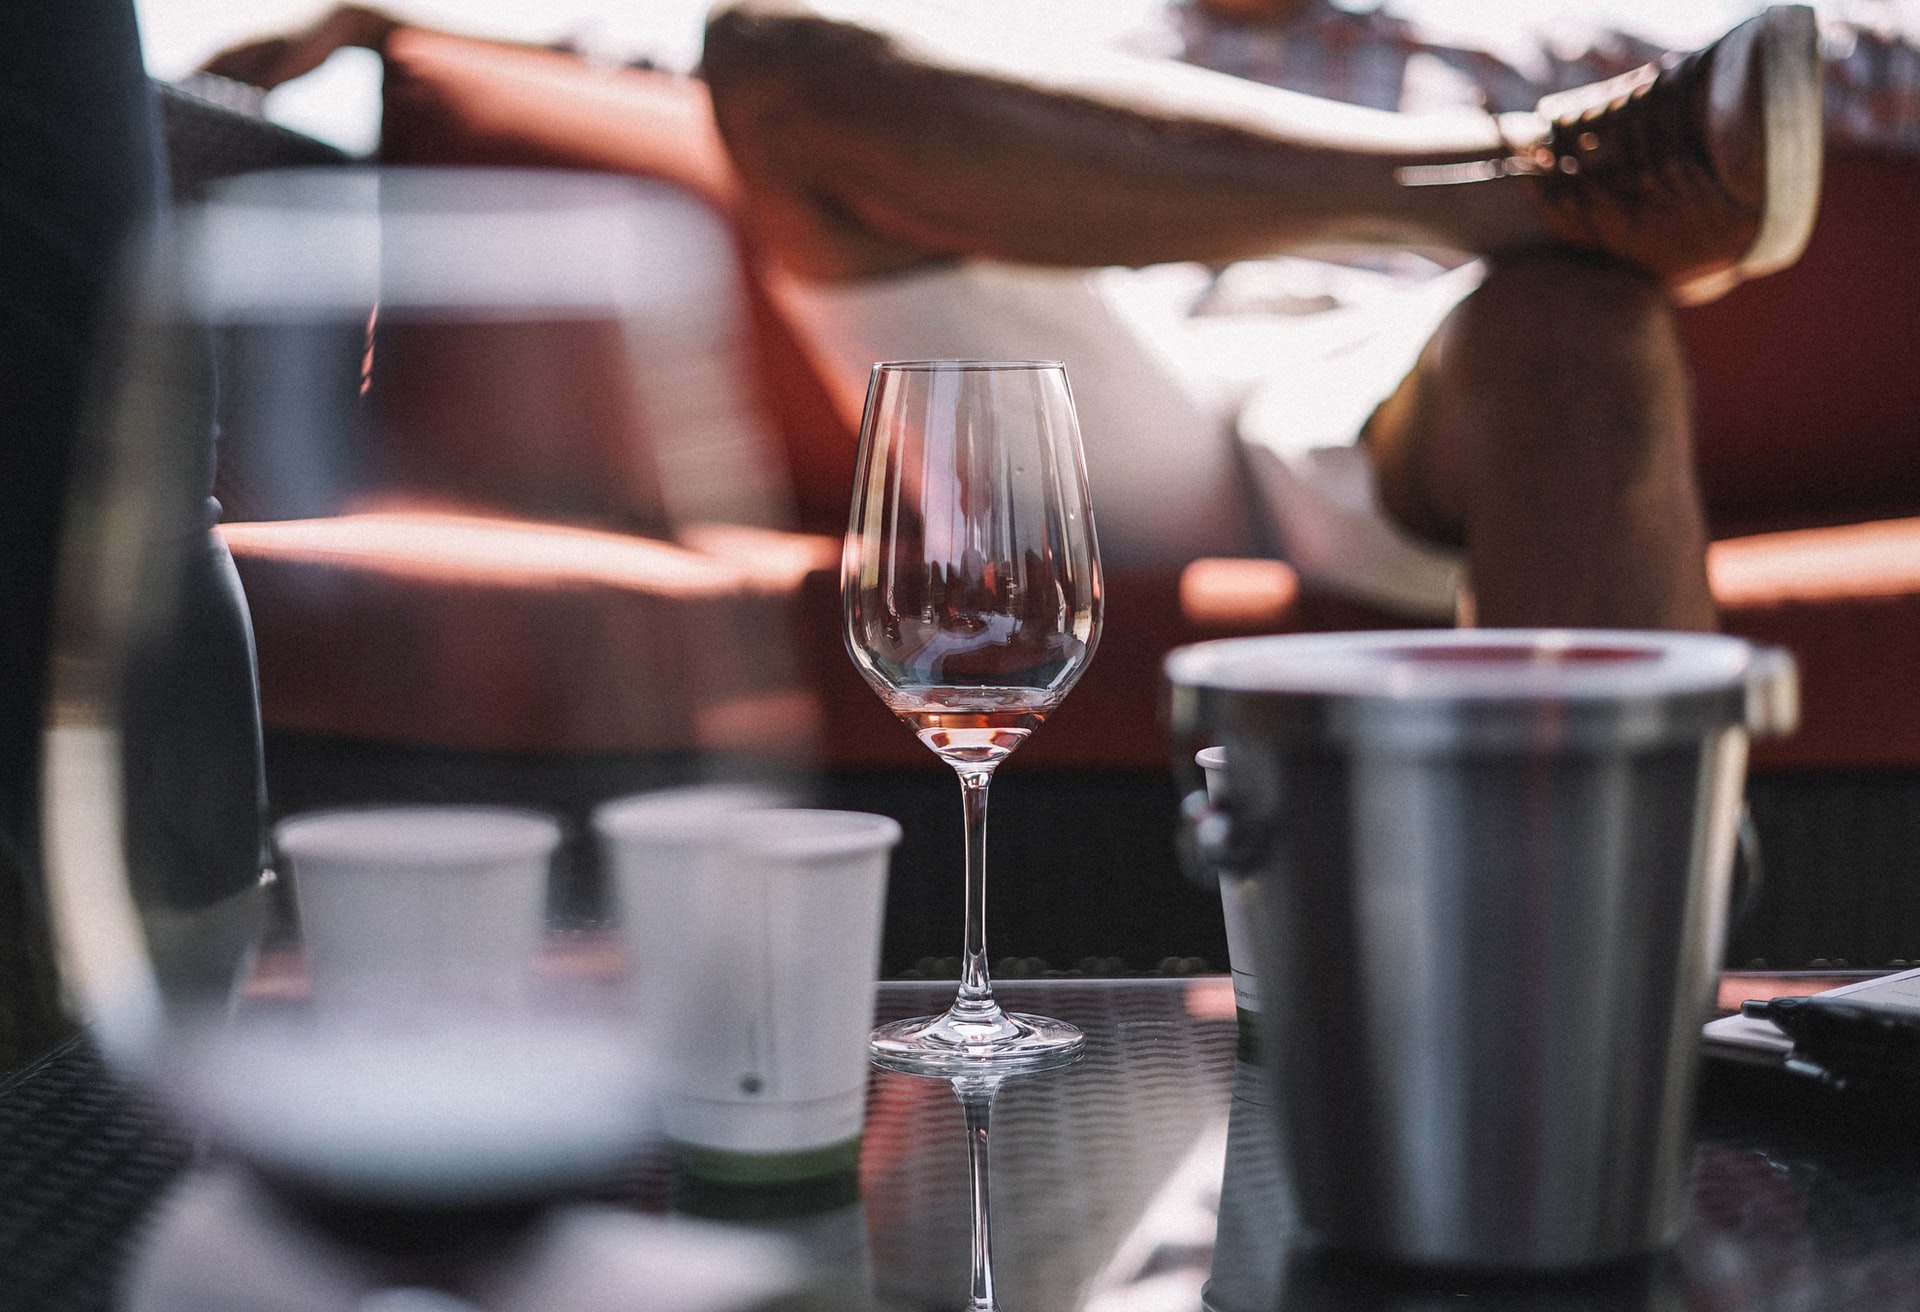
[[1705, 172]]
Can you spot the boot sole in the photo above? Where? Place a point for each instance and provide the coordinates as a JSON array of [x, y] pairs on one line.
[[1789, 68]]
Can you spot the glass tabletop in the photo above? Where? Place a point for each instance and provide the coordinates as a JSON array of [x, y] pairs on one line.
[[1102, 1173], [1108, 1184], [1106, 1187]]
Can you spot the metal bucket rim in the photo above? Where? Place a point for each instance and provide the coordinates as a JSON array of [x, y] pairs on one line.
[[1475, 665]]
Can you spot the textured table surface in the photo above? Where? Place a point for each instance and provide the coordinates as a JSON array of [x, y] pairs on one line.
[[1106, 1184]]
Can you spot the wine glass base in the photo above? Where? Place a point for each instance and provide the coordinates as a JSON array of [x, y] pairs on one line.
[[938, 1045]]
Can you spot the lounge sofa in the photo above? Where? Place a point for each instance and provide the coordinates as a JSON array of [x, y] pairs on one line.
[[1808, 399]]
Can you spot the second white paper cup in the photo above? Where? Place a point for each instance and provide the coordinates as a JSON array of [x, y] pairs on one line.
[[1236, 896], [404, 908], [755, 940]]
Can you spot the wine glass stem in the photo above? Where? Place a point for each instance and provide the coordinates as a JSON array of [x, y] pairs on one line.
[[976, 991]]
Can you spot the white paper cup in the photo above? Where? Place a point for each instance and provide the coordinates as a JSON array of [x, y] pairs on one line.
[[754, 934], [1237, 895], [404, 909]]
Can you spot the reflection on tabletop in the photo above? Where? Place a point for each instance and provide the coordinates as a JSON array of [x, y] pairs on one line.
[[1108, 1191]]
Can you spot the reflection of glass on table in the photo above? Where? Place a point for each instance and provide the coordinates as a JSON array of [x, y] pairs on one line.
[[1096, 1197]]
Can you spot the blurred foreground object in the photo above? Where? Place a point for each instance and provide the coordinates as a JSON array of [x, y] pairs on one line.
[[221, 1244], [402, 1041]]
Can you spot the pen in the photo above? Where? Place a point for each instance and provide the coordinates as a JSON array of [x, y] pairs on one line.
[[1846, 1045]]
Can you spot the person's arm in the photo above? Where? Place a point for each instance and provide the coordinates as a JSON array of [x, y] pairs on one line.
[[268, 61]]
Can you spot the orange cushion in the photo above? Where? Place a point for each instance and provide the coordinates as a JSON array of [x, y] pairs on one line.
[[452, 629], [458, 100], [1846, 602], [456, 420], [1807, 383]]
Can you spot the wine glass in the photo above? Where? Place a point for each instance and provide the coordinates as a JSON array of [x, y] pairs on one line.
[[972, 594]]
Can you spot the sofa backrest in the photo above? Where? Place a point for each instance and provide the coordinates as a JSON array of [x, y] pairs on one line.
[[1807, 383], [451, 99]]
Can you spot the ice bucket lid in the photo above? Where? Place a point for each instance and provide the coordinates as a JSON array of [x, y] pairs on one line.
[[1489, 687]]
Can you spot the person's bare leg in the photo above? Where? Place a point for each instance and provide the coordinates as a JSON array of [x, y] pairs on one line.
[[867, 148], [875, 145], [1546, 430]]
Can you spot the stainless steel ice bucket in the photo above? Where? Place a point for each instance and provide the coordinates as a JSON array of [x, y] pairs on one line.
[[1489, 872]]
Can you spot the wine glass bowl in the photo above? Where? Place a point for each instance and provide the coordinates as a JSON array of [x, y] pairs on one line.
[[972, 594]]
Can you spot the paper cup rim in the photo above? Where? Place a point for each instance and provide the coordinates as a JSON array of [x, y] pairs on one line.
[[677, 814], [809, 835], [431, 836]]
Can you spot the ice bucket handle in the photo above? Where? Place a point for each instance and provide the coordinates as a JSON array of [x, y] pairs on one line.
[[1211, 839], [1212, 836], [1773, 693]]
